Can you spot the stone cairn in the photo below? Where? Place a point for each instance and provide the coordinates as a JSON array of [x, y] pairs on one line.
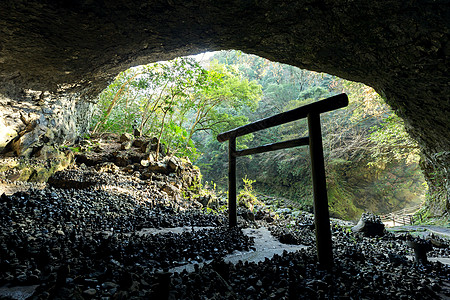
[[369, 225]]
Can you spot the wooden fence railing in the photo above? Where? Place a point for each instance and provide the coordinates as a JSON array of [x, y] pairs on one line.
[[314, 140], [404, 216]]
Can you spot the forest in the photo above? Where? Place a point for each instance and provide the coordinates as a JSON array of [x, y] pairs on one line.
[[371, 162]]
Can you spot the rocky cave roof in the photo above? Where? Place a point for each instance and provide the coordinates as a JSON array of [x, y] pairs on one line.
[[400, 48]]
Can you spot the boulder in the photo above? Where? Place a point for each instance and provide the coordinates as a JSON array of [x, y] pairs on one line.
[[22, 145], [158, 167], [369, 225], [126, 145], [88, 160], [173, 164], [108, 167], [135, 157], [122, 159], [287, 237], [205, 200], [145, 163], [438, 242], [171, 190], [126, 137], [248, 215], [145, 147], [147, 175], [138, 143], [128, 169]]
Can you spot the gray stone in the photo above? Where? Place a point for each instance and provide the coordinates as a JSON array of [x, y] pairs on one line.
[[90, 292], [109, 285], [30, 127]]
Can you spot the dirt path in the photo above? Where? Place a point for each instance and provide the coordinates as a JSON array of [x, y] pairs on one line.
[[423, 230]]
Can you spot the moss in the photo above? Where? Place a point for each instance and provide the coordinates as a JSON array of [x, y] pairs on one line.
[[8, 165], [24, 174], [341, 203], [36, 170], [42, 174], [437, 177]]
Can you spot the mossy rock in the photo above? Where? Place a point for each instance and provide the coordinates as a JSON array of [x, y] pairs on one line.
[[341, 203], [8, 164], [20, 174], [42, 174], [36, 170]]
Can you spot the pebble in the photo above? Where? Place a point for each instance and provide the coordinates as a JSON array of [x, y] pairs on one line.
[[109, 285], [69, 240], [90, 292]]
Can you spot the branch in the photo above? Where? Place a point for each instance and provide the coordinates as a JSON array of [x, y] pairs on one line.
[[113, 102]]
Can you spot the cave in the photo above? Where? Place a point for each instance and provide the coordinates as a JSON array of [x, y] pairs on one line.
[[56, 56]]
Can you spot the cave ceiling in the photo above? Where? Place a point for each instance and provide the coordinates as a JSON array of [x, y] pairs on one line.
[[400, 48]]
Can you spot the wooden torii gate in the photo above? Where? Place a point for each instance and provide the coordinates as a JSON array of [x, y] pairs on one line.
[[314, 140]]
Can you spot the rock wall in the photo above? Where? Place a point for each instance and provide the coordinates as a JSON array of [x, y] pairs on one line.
[[437, 173], [32, 120]]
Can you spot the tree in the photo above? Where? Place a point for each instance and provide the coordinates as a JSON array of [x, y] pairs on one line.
[[174, 100], [359, 142], [226, 90]]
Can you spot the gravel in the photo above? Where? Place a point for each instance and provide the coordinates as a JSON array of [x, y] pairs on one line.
[[87, 243]]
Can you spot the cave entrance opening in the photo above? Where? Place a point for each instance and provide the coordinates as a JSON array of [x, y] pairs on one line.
[[367, 154]]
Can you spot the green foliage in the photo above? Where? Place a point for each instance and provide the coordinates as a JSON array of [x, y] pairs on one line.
[[246, 197], [438, 200], [342, 203], [359, 143], [174, 101], [393, 142], [370, 160], [75, 149]]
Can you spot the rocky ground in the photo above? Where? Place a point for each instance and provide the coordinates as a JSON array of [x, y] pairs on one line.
[[83, 236]]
